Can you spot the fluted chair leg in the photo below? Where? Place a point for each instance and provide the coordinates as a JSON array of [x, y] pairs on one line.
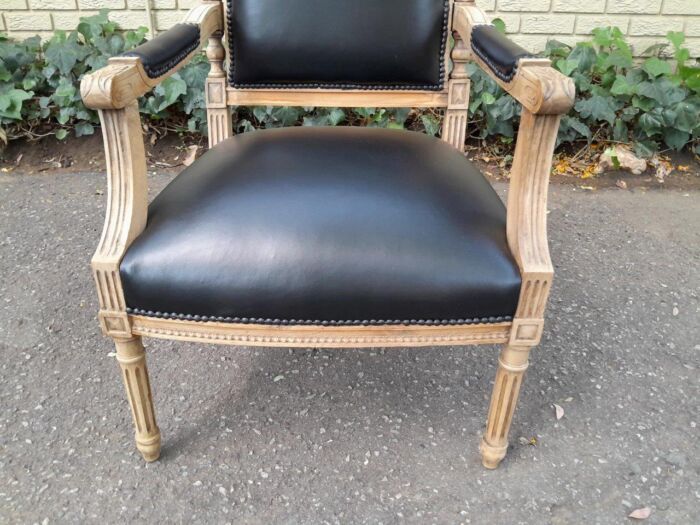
[[132, 360], [512, 364]]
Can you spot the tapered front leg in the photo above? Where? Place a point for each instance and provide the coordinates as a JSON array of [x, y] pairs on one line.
[[512, 364], [132, 360]]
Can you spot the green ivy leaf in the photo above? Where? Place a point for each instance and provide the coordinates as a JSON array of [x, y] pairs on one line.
[[577, 126], [693, 81], [170, 90], [431, 124], [567, 66], [61, 134], [677, 38], [287, 116], [585, 55], [622, 87], [620, 131], [644, 148], [500, 25], [656, 67], [64, 52], [337, 115], [676, 138], [651, 123], [598, 108], [487, 98], [11, 102], [662, 91], [84, 128]]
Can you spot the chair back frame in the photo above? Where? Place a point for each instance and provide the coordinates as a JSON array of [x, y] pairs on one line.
[[454, 96]]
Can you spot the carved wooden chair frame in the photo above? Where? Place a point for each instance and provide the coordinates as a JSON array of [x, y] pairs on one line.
[[544, 94]]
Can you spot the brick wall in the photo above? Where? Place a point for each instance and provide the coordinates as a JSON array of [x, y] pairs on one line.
[[646, 22], [531, 22]]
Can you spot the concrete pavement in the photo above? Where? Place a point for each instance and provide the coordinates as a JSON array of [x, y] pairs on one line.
[[358, 436]]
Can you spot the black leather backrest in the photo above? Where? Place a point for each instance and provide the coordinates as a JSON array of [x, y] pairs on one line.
[[337, 44]]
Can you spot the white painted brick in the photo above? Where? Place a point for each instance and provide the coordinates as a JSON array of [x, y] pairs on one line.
[[693, 44], [654, 25], [189, 4], [129, 19], [547, 24], [53, 4], [533, 43], [511, 20], [486, 5], [21, 35], [28, 21], [634, 6], [155, 4], [524, 6], [682, 7], [692, 26], [579, 6], [641, 43], [166, 19], [2, 22], [14, 4], [69, 20], [585, 24], [101, 4]]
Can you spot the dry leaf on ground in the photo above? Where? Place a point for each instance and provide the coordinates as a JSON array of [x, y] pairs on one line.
[[621, 158], [663, 167], [191, 155], [640, 514], [559, 411]]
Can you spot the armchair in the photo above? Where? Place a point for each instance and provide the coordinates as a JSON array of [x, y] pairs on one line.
[[328, 237]]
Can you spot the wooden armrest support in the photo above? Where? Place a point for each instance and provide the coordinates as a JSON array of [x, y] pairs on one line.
[[114, 91], [545, 95], [126, 78], [540, 88]]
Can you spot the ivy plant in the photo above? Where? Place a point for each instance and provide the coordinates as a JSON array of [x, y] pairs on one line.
[[653, 103]]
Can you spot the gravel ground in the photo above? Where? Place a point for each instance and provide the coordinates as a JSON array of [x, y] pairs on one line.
[[358, 436]]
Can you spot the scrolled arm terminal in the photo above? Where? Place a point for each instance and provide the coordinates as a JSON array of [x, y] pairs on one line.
[[136, 72], [532, 81]]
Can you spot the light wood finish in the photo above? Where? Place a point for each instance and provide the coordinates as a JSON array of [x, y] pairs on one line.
[[320, 336], [127, 204], [527, 222], [454, 126], [544, 94], [349, 98], [132, 360], [124, 79], [218, 113], [538, 87], [512, 364]]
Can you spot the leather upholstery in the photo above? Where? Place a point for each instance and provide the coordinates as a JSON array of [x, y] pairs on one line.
[[499, 53], [364, 44], [325, 225], [162, 53]]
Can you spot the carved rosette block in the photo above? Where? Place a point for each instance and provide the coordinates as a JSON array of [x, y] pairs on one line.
[[512, 364], [218, 113], [132, 360]]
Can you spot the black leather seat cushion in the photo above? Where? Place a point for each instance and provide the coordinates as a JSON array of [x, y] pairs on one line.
[[335, 225], [364, 44]]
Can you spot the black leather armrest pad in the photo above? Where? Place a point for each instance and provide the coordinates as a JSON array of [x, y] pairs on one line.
[[168, 49], [499, 53]]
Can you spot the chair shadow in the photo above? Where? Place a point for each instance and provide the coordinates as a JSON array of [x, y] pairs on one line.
[[393, 380]]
